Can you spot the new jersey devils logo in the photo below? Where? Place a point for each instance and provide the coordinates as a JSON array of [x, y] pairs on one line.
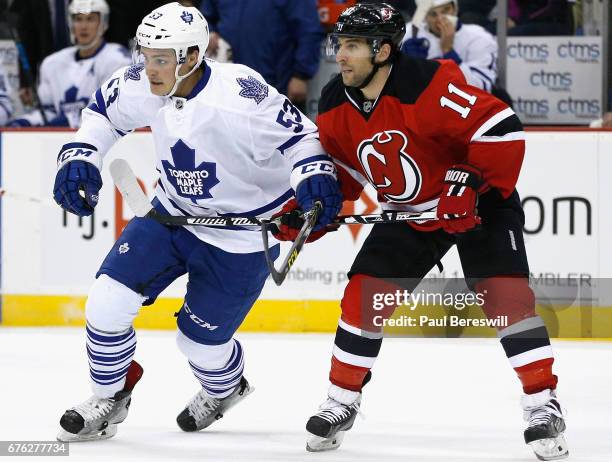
[[386, 13], [388, 167]]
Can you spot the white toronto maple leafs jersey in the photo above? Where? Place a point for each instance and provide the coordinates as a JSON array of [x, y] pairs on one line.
[[67, 82], [6, 105], [227, 148], [476, 48]]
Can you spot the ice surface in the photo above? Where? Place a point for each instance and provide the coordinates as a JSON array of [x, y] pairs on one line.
[[430, 400]]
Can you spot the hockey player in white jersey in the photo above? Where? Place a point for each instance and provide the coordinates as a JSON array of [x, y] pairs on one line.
[[6, 105], [69, 76], [436, 33], [226, 143]]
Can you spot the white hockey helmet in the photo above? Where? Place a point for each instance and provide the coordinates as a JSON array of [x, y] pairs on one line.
[[423, 7], [87, 7], [175, 27]]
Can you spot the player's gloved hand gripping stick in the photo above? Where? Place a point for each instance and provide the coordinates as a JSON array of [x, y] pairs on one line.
[[128, 186], [457, 206], [310, 220]]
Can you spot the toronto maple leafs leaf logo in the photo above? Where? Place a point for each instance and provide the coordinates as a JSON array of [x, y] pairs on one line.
[[71, 106], [71, 103], [189, 181], [133, 72], [253, 89], [70, 95], [187, 17]]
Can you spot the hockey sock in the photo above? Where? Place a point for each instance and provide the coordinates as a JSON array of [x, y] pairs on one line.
[[354, 353], [359, 335], [527, 346], [525, 340], [358, 340], [110, 355], [220, 382]]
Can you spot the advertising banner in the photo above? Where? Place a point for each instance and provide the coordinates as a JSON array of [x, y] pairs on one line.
[[555, 80], [47, 252]]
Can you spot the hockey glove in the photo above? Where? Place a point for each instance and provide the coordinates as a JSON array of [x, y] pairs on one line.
[[416, 47], [78, 182], [457, 206], [291, 223], [314, 180]]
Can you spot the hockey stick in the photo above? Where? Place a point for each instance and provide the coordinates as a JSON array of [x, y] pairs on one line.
[[25, 197], [128, 186], [419, 15]]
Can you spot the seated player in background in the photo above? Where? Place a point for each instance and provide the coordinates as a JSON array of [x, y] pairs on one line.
[[426, 140], [226, 142], [436, 32], [6, 105], [69, 77]]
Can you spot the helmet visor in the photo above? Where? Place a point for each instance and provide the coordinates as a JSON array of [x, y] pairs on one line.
[[351, 46], [158, 58]]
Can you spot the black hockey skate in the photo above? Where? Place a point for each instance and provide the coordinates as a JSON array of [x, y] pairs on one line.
[[97, 418], [203, 409], [328, 426], [546, 425]]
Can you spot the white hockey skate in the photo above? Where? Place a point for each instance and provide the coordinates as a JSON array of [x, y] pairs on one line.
[[203, 409], [335, 417], [546, 425], [97, 418]]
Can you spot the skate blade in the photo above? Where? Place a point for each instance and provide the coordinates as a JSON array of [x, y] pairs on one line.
[[550, 448], [67, 437], [319, 444]]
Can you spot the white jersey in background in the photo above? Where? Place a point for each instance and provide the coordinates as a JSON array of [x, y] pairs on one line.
[[476, 48], [6, 105], [67, 82], [228, 148]]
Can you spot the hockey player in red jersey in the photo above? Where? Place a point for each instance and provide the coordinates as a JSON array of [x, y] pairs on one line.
[[426, 140]]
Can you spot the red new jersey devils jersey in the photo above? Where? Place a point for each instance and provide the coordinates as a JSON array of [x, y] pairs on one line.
[[426, 120]]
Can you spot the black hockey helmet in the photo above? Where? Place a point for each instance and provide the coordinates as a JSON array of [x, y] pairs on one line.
[[378, 22]]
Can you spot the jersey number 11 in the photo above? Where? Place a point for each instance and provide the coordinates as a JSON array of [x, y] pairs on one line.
[[449, 103]]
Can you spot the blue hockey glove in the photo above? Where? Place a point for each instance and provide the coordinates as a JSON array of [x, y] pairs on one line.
[[416, 47], [314, 180], [78, 182]]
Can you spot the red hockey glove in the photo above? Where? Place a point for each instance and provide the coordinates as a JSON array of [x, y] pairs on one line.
[[457, 206], [291, 222]]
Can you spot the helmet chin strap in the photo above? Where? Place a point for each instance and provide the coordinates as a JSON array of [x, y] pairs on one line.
[[371, 75], [375, 68], [179, 78]]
